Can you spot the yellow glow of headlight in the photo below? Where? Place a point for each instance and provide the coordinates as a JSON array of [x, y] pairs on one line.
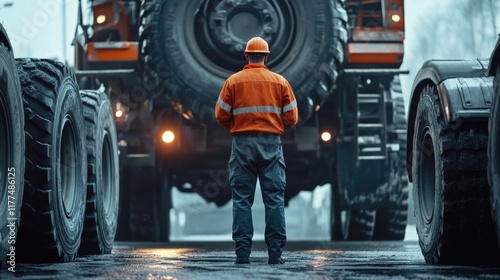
[[101, 19], [396, 18], [168, 136], [326, 136], [119, 114]]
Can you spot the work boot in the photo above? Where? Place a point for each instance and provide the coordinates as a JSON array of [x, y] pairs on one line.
[[242, 261], [276, 261]]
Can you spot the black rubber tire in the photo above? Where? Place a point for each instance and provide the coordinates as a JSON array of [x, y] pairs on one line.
[[358, 225], [336, 232], [144, 211], [164, 202], [101, 214], [11, 149], [390, 223], [494, 155], [450, 188], [56, 163], [177, 64]]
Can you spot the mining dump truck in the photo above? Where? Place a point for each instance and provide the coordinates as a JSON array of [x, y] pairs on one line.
[[59, 173], [454, 161], [163, 63]]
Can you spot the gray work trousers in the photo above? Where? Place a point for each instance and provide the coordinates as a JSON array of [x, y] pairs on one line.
[[252, 157]]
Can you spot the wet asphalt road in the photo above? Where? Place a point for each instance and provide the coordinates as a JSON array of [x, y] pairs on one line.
[[214, 260]]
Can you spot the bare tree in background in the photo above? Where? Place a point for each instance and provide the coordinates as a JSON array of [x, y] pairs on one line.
[[460, 29], [452, 29], [493, 11]]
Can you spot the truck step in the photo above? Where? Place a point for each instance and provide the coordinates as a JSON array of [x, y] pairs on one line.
[[105, 73], [371, 157], [368, 98], [370, 125], [368, 101], [369, 95]]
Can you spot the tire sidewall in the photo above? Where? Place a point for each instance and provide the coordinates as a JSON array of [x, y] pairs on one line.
[[69, 227], [345, 223], [494, 156], [107, 221], [428, 231], [179, 55], [10, 91]]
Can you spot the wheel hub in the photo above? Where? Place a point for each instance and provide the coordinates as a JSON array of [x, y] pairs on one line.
[[107, 175], [69, 168], [426, 178], [233, 22]]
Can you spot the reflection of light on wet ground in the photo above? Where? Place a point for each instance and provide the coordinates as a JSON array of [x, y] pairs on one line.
[[151, 276], [166, 260], [323, 251], [165, 253], [322, 257]]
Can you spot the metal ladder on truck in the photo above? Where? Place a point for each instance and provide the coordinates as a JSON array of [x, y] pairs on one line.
[[363, 121], [372, 124]]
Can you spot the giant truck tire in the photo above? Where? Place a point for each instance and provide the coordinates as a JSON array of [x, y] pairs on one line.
[[357, 224], [494, 155], [145, 203], [56, 163], [101, 212], [450, 188], [187, 58], [390, 223], [11, 149]]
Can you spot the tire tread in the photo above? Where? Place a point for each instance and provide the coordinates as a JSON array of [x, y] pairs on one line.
[[40, 81]]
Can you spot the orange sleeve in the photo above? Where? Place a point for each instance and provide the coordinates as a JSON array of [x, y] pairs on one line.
[[290, 115], [224, 106]]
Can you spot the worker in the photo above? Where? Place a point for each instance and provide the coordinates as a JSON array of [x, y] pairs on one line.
[[257, 105]]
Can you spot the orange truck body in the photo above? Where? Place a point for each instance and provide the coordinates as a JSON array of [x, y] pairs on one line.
[[114, 38], [377, 37], [112, 51]]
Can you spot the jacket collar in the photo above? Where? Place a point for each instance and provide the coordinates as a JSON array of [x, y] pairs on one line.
[[255, 66]]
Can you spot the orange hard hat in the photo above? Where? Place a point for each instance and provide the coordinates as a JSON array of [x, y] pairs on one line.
[[257, 45]]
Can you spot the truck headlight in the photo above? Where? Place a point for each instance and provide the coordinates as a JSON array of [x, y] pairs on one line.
[[396, 18], [168, 137], [326, 136], [101, 19]]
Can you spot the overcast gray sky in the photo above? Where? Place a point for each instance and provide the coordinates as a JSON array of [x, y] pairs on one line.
[[35, 27]]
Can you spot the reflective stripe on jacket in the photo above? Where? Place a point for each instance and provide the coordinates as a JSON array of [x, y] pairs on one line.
[[256, 100]]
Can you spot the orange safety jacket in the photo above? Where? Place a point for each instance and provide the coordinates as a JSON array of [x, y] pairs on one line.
[[256, 100]]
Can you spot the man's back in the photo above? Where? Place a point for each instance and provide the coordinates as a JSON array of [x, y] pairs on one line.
[[258, 99]]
